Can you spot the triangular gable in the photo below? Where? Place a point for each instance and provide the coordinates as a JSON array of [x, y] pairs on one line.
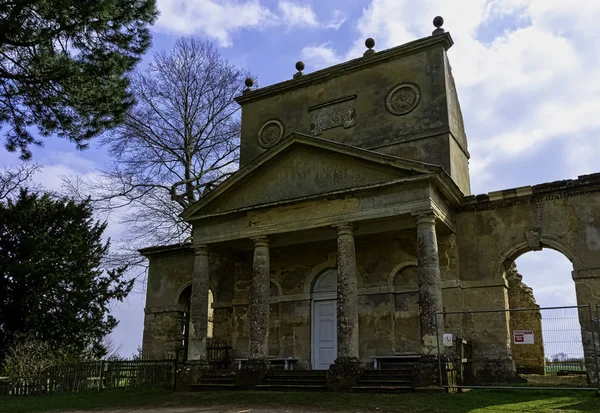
[[303, 166]]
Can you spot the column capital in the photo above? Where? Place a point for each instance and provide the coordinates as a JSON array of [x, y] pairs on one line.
[[260, 241], [201, 249], [345, 228], [425, 218]]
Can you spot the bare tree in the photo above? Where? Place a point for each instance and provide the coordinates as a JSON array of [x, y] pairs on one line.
[[179, 141], [12, 179]]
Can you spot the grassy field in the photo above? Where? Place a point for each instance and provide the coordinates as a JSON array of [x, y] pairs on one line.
[[480, 401]]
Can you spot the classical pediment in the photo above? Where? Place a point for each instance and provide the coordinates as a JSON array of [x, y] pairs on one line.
[[300, 167]]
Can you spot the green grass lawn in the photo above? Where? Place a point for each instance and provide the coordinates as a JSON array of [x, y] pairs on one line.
[[476, 401]]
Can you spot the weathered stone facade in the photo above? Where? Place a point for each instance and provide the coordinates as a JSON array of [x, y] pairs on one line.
[[362, 169]]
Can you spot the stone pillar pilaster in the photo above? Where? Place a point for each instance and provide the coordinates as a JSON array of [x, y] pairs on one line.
[[430, 286], [199, 306], [258, 313], [347, 300]]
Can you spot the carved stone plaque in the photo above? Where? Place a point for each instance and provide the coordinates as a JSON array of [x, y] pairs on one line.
[[402, 99], [332, 114], [270, 133]]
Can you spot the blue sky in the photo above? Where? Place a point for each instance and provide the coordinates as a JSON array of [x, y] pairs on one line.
[[527, 74]]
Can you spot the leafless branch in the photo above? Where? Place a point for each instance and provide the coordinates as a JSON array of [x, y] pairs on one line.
[[179, 141]]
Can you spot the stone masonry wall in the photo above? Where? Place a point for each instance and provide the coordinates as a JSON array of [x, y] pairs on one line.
[[528, 358], [387, 296]]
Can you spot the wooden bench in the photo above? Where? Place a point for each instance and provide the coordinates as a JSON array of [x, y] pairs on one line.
[[378, 360], [287, 363]]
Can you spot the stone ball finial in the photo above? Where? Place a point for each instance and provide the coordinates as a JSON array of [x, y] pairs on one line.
[[438, 22], [249, 82], [299, 68], [370, 43]]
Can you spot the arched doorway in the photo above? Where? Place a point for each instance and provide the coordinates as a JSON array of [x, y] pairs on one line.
[[543, 279], [324, 320], [185, 301]]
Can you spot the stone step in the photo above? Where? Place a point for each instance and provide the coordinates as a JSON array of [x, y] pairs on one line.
[[362, 382], [382, 389], [295, 383], [386, 376], [296, 377], [291, 387], [399, 369], [298, 373]]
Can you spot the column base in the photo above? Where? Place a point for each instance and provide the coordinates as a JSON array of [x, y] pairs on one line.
[[190, 373], [427, 371], [253, 372], [344, 374]]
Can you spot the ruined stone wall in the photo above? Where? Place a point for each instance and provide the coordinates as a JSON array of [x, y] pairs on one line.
[[163, 333], [494, 229], [528, 358]]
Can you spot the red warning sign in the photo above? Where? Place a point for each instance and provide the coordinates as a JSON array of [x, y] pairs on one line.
[[523, 336]]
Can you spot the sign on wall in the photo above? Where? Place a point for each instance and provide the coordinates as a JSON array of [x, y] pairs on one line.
[[448, 340], [523, 336]]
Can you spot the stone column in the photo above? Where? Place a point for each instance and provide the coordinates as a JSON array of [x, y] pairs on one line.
[[347, 301], [430, 286], [258, 313], [346, 370], [199, 306]]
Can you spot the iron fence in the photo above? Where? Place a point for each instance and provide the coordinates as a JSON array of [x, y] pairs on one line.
[[553, 347], [93, 375]]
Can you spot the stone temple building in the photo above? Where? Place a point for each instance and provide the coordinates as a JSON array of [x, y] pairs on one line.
[[350, 223]]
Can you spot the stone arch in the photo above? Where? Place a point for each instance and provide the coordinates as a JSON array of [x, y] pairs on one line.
[[326, 282], [510, 254], [398, 269], [188, 283], [184, 301], [317, 270], [275, 288]]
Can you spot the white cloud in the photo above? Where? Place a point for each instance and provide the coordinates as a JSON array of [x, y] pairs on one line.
[[218, 19], [533, 82], [321, 55], [215, 18], [297, 15]]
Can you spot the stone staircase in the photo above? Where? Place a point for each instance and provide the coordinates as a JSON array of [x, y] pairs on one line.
[[214, 380], [294, 380], [400, 379]]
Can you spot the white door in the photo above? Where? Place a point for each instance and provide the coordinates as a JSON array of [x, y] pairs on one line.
[[324, 334]]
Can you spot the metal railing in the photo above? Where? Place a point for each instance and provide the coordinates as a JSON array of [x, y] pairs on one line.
[[553, 347]]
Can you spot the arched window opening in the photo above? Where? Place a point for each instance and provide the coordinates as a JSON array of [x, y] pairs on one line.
[[185, 301]]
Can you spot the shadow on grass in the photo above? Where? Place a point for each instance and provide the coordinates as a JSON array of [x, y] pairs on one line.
[[470, 402], [480, 401]]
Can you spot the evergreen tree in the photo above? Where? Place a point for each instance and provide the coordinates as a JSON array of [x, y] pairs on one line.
[[52, 285], [63, 66]]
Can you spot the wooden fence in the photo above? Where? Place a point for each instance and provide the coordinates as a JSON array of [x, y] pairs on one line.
[[94, 375]]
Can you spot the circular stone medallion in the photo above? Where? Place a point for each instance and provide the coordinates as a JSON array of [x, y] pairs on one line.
[[402, 99], [270, 133]]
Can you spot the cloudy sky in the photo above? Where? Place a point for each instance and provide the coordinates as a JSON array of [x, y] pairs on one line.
[[527, 74]]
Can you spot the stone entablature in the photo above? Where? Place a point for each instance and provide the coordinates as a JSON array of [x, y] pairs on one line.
[[585, 184]]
